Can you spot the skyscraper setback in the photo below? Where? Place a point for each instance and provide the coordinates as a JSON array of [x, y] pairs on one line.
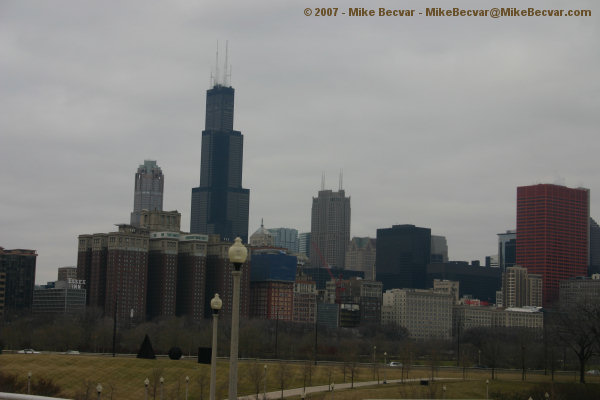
[[148, 193], [553, 234], [220, 205]]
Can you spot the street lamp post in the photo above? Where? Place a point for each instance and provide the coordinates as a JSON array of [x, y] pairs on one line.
[[215, 304], [146, 383], [237, 256], [265, 384], [99, 390], [332, 390], [162, 382], [487, 387], [374, 350], [29, 382], [187, 384], [384, 367]]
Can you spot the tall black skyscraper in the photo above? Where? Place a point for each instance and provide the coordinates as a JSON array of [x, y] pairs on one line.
[[403, 252], [220, 204]]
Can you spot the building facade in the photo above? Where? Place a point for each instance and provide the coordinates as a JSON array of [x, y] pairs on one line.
[[579, 290], [439, 249], [305, 300], [507, 249], [18, 273], [304, 244], [329, 228], [220, 205], [403, 252], [361, 256], [426, 314], [63, 298], [520, 288], [148, 191], [553, 234], [286, 238]]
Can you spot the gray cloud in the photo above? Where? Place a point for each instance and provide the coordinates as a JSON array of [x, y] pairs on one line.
[[434, 121]]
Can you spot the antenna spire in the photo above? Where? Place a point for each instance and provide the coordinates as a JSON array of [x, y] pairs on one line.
[[217, 81], [226, 74], [322, 181], [341, 179]]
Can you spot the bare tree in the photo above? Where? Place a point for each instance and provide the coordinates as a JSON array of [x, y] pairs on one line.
[[282, 375], [202, 380], [256, 375], [574, 327]]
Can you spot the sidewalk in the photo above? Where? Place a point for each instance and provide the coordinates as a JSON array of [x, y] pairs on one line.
[[325, 388]]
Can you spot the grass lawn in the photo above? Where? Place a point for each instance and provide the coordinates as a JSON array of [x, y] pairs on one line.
[[123, 378]]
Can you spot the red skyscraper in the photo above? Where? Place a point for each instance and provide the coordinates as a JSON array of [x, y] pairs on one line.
[[553, 234]]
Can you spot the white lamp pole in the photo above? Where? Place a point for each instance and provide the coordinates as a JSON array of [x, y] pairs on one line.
[[187, 384], [29, 382], [237, 256], [99, 390], [215, 304], [146, 383], [384, 367], [265, 384]]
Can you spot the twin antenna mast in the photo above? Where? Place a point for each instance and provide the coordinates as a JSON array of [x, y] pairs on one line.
[[224, 78], [340, 183]]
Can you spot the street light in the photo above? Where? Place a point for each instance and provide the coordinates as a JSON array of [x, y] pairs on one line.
[[29, 382], [265, 384], [99, 390], [332, 389], [146, 383], [215, 304], [187, 383], [237, 255], [374, 349], [162, 381], [487, 386], [384, 367], [444, 392]]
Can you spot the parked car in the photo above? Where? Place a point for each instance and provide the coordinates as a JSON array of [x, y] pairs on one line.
[[593, 372], [72, 352], [28, 351], [395, 364]]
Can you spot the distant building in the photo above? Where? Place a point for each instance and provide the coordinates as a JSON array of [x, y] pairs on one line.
[[520, 288], [403, 252], [305, 300], [328, 315], [465, 317], [553, 234], [426, 314], [360, 301], [64, 273], [439, 249], [447, 287], [323, 275], [191, 275], [262, 237], [594, 267], [361, 256], [304, 244], [148, 192], [18, 273], [580, 290], [507, 249], [220, 205], [63, 298], [479, 282], [330, 229], [272, 279], [286, 238]]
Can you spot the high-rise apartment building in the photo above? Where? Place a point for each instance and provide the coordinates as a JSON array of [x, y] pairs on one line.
[[403, 252], [520, 288], [148, 192], [329, 228], [17, 271], [553, 234], [220, 204]]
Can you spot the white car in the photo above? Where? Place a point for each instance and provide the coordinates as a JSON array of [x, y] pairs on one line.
[[28, 351], [395, 364]]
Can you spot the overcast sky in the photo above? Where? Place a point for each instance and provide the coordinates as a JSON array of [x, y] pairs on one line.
[[434, 120]]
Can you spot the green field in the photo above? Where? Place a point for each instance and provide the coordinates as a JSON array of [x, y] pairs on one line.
[[123, 378]]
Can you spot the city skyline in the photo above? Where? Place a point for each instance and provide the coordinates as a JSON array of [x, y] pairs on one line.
[[434, 121]]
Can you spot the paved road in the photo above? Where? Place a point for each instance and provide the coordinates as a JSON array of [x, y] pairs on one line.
[[325, 388]]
